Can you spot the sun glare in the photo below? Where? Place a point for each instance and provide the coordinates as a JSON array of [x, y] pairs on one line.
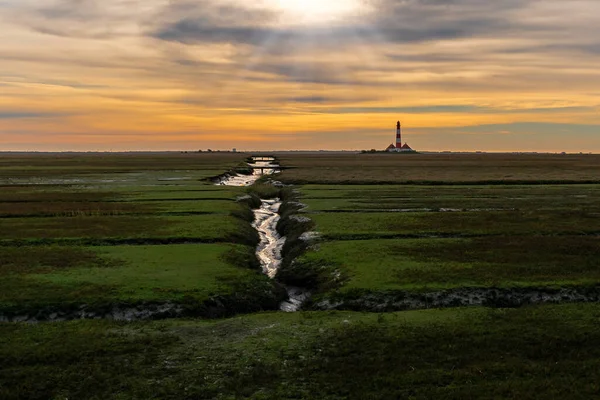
[[317, 11]]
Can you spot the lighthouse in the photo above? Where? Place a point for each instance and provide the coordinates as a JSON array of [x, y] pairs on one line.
[[399, 147]]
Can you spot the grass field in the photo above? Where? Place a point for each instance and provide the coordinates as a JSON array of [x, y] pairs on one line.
[[440, 168], [51, 276], [479, 230], [363, 225], [139, 230], [459, 197], [200, 227], [121, 229], [112, 168], [528, 353], [433, 264]]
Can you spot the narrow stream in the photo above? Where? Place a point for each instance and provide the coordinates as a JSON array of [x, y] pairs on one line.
[[266, 168], [265, 222], [271, 243]]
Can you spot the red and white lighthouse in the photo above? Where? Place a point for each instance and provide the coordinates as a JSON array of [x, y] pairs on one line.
[[398, 136]]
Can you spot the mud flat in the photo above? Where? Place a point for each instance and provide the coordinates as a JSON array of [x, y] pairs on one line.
[[115, 313], [252, 299], [389, 301]]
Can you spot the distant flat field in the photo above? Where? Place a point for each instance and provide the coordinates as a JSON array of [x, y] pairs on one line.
[[19, 167], [350, 198], [450, 168]]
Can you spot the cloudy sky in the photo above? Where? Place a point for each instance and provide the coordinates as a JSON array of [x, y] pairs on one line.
[[500, 75]]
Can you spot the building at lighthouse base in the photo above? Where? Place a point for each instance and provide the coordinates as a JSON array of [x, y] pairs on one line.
[[399, 147], [405, 148]]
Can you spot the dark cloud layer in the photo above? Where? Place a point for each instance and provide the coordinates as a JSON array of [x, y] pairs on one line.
[[393, 21], [389, 25]]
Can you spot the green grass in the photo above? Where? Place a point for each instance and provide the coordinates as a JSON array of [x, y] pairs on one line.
[[529, 353], [73, 209], [389, 197], [518, 235], [40, 276], [200, 227], [53, 206], [71, 215], [378, 224], [192, 206], [431, 264], [15, 166], [63, 209], [176, 194]]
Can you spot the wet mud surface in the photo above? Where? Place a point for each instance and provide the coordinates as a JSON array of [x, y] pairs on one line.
[[271, 243], [489, 297]]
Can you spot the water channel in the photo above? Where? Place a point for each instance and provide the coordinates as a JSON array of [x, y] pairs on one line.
[[265, 222]]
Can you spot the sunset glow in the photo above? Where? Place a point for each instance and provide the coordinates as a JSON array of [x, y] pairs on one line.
[[275, 74]]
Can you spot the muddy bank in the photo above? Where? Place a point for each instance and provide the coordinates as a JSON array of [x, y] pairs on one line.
[[412, 210], [84, 311], [297, 229], [297, 297], [388, 301], [265, 296]]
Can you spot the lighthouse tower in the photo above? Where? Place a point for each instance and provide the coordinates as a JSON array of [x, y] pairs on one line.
[[398, 136]]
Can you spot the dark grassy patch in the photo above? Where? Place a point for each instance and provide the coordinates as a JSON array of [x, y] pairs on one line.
[[25, 165], [503, 259], [528, 353], [84, 226], [265, 191], [53, 194], [69, 209], [209, 227], [46, 259], [503, 354], [315, 275], [93, 360]]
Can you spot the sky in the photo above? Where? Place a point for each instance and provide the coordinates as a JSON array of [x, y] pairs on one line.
[[461, 75]]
